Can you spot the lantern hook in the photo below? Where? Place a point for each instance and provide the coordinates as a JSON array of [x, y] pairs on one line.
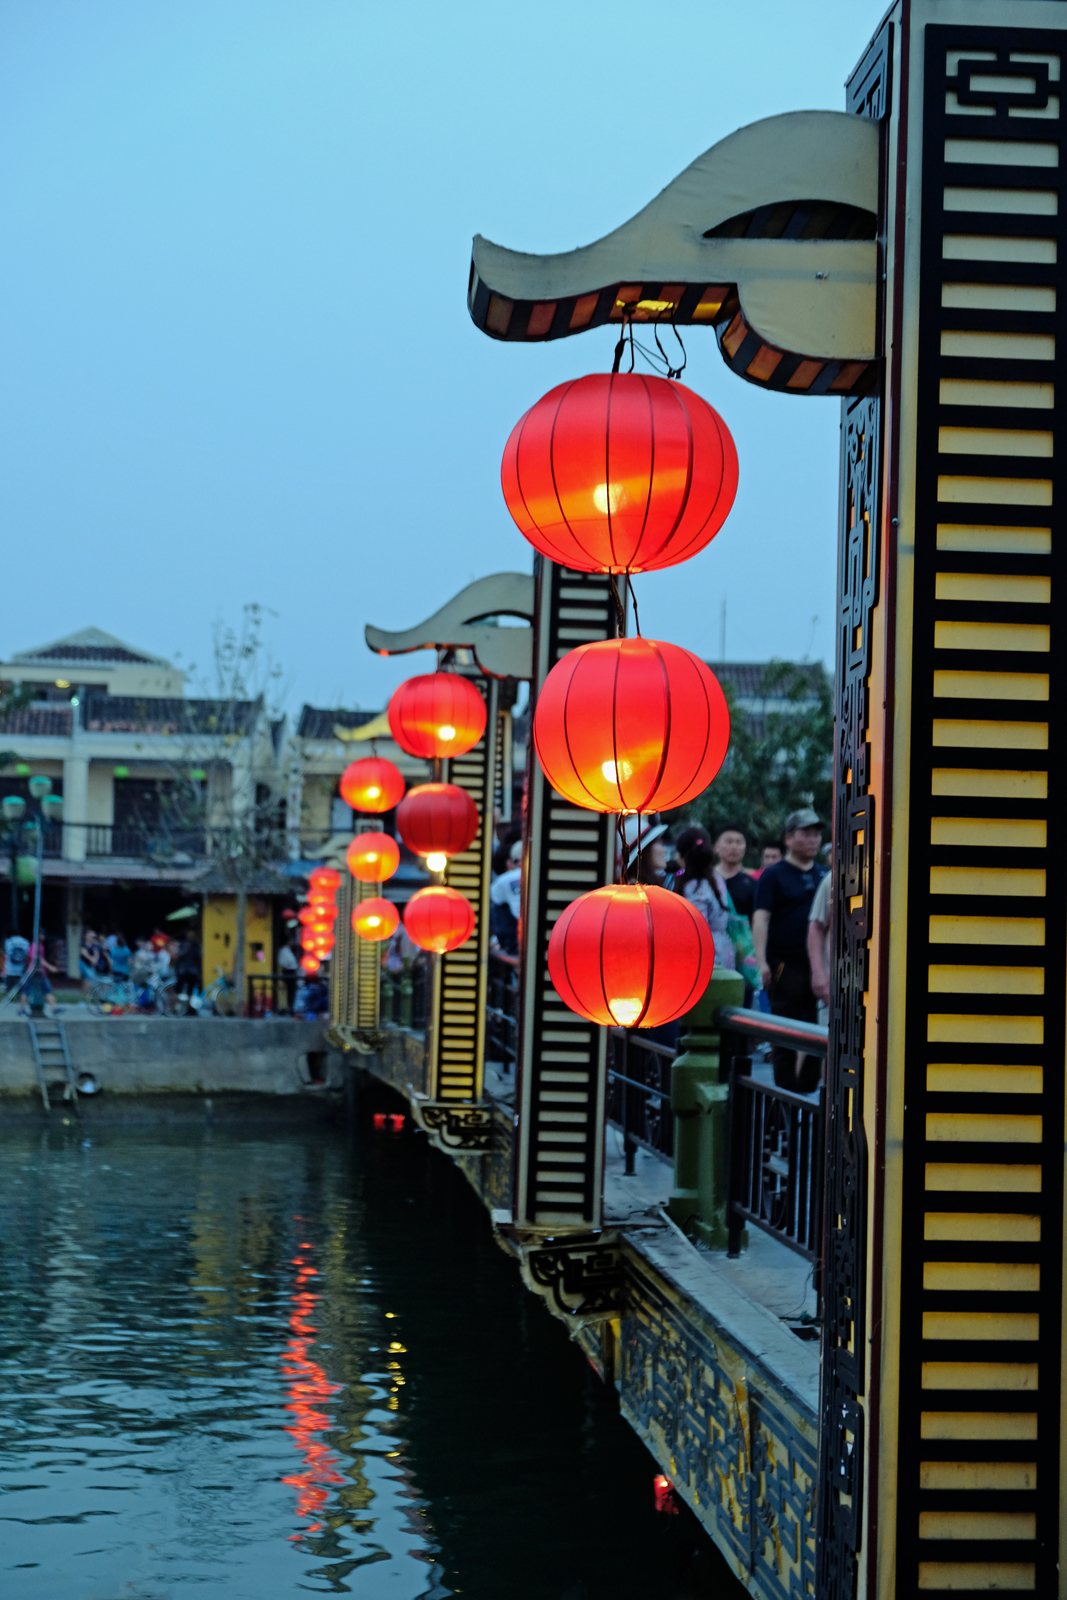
[[672, 371], [627, 327]]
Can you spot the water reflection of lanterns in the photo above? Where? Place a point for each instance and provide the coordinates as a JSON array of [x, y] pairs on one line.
[[308, 1389], [630, 956], [375, 919], [437, 820], [372, 857], [437, 714], [620, 473], [631, 725], [373, 785], [438, 919]]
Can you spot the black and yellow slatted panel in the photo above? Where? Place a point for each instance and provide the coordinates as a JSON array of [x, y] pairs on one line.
[[982, 1181], [365, 964], [457, 1032], [342, 975], [562, 1058]]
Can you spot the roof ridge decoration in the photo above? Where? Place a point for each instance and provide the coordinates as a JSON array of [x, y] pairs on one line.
[[769, 237]]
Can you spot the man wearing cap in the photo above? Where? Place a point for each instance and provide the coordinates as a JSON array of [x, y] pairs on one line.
[[780, 934]]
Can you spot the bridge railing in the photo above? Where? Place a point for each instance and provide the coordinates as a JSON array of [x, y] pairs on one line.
[[639, 1094], [775, 1136]]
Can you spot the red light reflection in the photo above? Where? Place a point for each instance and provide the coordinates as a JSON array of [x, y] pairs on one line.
[[663, 1490], [308, 1388]]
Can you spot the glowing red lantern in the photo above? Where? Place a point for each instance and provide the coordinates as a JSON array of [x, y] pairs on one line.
[[324, 943], [372, 784], [375, 919], [437, 820], [327, 878], [310, 963], [308, 939], [620, 472], [630, 956], [438, 714], [631, 725], [439, 919], [372, 857]]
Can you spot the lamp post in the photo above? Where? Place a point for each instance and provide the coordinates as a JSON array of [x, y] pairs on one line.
[[24, 823]]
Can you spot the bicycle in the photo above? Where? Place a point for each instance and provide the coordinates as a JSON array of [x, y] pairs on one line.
[[220, 996], [112, 996]]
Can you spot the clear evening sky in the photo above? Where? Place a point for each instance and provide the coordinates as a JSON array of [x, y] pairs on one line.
[[236, 362]]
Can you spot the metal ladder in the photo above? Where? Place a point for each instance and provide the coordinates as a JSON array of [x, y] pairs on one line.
[[50, 1051]]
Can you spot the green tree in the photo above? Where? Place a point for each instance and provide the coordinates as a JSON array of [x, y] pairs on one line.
[[776, 762]]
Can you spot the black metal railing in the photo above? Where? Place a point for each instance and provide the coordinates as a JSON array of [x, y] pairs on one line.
[[502, 1014], [404, 997], [639, 1094], [776, 1136], [138, 844]]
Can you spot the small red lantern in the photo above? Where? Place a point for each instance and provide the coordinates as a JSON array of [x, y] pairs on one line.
[[372, 784], [631, 725], [372, 857], [438, 714], [439, 919], [620, 472], [327, 878], [375, 919], [308, 940], [437, 820], [310, 963], [630, 956]]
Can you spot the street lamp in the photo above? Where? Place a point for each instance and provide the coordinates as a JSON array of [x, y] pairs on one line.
[[24, 824]]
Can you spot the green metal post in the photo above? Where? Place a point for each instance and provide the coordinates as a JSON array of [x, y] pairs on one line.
[[698, 1100]]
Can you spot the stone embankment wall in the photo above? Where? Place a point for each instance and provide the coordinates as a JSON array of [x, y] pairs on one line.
[[194, 1055]]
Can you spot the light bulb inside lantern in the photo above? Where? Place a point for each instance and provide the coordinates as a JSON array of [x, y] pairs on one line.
[[617, 772], [373, 792], [436, 861], [625, 1012], [607, 497], [447, 732], [373, 922]]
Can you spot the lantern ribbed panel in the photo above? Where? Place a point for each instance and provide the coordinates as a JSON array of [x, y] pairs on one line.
[[372, 784], [372, 857], [630, 957], [438, 714], [620, 472], [375, 919], [439, 919], [631, 725], [437, 817]]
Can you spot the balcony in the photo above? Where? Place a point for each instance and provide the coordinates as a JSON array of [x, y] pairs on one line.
[[160, 847]]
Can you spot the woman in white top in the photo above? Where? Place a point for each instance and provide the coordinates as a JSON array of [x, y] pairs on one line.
[[704, 889]]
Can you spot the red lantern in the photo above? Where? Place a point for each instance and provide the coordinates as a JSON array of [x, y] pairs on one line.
[[438, 714], [308, 939], [372, 857], [630, 957], [327, 878], [375, 919], [373, 784], [439, 919], [437, 820], [310, 963], [620, 472], [631, 725], [324, 943]]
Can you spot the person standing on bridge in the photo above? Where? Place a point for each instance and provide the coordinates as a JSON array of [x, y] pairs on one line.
[[784, 895]]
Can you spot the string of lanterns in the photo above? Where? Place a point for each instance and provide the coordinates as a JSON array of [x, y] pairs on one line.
[[431, 716], [318, 916], [620, 474]]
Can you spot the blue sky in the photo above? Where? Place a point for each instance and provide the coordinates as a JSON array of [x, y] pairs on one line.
[[235, 358]]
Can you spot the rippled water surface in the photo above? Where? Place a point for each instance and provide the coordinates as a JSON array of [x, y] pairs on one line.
[[276, 1363]]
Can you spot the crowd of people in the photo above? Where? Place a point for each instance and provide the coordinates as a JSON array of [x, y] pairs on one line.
[[159, 958], [769, 923]]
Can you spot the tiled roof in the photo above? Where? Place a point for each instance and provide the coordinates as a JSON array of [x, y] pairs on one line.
[[318, 722], [110, 713], [39, 723], [86, 652]]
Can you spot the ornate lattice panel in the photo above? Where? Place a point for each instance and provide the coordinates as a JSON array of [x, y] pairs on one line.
[[562, 1059], [342, 972], [457, 1031], [981, 1261], [845, 1234], [728, 1441]]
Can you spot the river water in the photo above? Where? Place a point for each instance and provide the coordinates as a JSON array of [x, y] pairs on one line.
[[270, 1363]]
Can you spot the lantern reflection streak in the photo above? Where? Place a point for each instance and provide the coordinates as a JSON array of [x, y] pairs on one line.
[[308, 1389]]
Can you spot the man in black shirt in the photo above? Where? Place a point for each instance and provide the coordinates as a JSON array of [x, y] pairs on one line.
[[780, 934], [730, 849]]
